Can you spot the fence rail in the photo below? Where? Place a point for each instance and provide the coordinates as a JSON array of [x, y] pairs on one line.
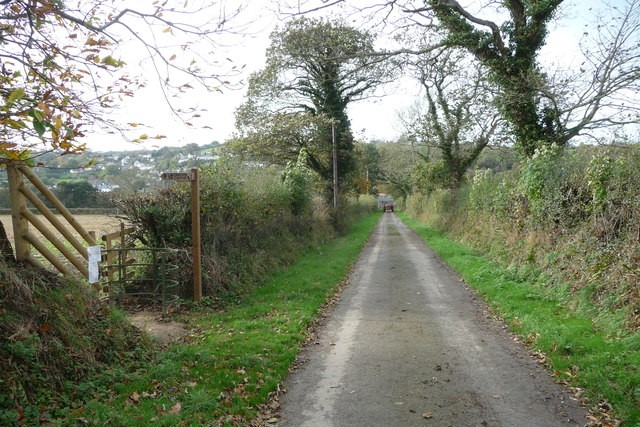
[[75, 211], [22, 217], [116, 253], [125, 269]]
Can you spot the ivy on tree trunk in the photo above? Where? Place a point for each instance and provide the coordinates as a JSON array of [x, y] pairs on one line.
[[510, 53]]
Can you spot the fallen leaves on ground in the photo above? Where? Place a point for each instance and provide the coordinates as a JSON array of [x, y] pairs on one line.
[[175, 409], [134, 398], [600, 416]]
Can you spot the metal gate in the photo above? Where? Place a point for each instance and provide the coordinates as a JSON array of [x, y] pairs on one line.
[[141, 272]]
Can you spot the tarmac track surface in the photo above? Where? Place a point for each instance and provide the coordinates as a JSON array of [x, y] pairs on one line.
[[410, 345]]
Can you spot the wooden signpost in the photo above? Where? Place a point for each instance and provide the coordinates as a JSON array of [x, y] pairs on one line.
[[194, 178]]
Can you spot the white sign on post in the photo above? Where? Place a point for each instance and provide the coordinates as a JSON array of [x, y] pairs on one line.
[[94, 258]]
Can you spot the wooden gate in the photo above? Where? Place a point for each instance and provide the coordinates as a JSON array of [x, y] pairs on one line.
[[119, 263], [22, 217]]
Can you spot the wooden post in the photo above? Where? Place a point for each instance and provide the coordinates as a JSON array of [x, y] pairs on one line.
[[110, 261], [195, 235], [123, 242], [18, 205]]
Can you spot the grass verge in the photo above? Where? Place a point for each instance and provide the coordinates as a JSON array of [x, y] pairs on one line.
[[606, 367], [227, 369]]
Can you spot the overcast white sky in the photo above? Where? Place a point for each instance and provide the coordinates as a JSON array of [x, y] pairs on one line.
[[374, 118]]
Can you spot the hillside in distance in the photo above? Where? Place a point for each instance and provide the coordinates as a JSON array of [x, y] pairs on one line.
[[119, 170]]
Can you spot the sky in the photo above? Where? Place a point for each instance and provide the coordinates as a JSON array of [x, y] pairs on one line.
[[373, 118]]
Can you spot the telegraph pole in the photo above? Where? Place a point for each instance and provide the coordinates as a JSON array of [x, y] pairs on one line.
[[335, 169]]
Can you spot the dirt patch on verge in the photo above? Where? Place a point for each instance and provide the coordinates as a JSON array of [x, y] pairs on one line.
[[163, 331]]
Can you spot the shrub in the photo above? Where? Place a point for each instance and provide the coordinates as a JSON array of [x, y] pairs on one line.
[[298, 181], [253, 219], [431, 176]]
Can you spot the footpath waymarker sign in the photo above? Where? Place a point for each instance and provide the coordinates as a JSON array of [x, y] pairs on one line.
[[95, 257], [177, 176], [194, 178]]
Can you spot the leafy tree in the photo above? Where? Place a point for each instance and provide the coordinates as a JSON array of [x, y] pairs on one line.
[[543, 107], [398, 161], [111, 170], [510, 52], [129, 178], [314, 70], [279, 137], [459, 119], [543, 112], [61, 70], [297, 179], [367, 172], [497, 159], [190, 149]]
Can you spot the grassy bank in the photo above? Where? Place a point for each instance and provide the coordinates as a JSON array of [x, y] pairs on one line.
[[229, 366], [607, 367], [58, 344]]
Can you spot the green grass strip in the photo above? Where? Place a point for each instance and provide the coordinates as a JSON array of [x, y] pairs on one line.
[[608, 368], [221, 373]]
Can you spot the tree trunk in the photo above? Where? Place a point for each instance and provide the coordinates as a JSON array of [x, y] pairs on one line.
[[6, 251]]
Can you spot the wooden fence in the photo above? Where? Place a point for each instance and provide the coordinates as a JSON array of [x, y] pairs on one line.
[[117, 256], [22, 217]]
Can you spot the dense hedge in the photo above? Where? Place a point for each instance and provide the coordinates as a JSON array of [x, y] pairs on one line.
[[572, 215], [253, 220]]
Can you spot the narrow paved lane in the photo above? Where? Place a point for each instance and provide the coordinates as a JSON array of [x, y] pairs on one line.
[[409, 345]]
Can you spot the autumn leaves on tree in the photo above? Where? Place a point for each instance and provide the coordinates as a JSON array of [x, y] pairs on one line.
[[63, 70]]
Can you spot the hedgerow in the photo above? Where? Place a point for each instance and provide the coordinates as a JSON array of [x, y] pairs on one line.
[[253, 220], [568, 215]]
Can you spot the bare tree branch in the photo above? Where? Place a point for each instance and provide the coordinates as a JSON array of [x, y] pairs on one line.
[[60, 74]]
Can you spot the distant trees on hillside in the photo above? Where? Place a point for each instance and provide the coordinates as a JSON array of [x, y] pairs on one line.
[[79, 194]]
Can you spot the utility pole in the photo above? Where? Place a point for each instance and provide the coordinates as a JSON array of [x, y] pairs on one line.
[[368, 183], [335, 169]]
